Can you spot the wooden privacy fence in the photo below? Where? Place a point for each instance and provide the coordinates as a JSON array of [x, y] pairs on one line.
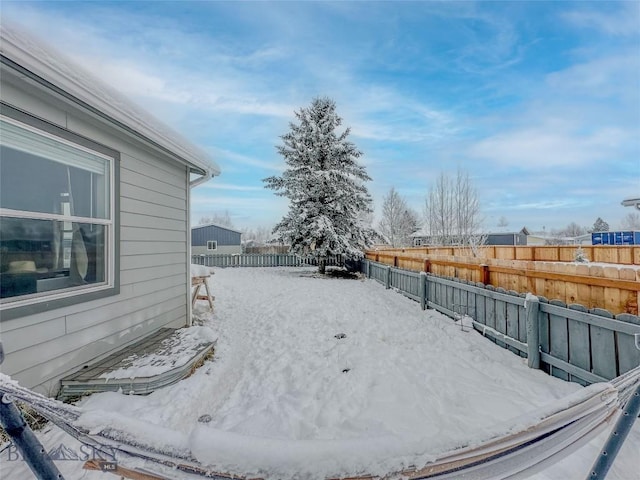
[[611, 287], [569, 342], [620, 254], [261, 260]]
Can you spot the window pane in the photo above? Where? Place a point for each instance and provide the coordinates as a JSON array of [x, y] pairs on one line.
[[46, 255], [31, 181], [18, 137]]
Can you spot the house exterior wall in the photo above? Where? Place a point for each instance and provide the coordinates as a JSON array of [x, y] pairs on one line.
[[506, 239], [535, 240], [221, 250], [227, 240], [152, 252]]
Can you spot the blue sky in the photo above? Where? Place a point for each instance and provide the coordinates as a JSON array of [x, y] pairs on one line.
[[538, 101]]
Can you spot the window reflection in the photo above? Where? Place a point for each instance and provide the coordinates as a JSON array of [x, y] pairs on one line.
[[45, 255]]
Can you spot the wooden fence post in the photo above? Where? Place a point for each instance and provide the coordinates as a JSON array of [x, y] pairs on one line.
[[427, 265], [532, 307], [484, 273], [388, 279], [423, 290]]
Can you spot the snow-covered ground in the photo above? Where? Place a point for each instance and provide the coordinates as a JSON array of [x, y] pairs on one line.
[[315, 377]]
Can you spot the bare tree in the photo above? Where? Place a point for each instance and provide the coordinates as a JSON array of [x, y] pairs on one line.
[[467, 208], [258, 237], [503, 222], [631, 221], [565, 235], [398, 220], [452, 210], [573, 230], [439, 211]]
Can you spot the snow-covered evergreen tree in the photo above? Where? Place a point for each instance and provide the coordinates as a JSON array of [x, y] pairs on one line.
[[324, 184]]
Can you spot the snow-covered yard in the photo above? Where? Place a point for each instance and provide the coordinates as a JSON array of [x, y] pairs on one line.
[[314, 377]]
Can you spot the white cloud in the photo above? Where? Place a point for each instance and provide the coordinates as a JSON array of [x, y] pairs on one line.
[[234, 157], [546, 146], [606, 75], [622, 22], [215, 185]]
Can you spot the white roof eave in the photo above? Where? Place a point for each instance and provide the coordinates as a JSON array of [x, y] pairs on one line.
[[53, 70]]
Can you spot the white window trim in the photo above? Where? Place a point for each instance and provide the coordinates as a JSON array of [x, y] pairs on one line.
[[215, 242], [110, 250]]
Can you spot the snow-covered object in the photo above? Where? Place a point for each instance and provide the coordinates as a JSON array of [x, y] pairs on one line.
[[279, 401], [174, 352], [50, 65], [324, 184], [200, 271], [416, 383]]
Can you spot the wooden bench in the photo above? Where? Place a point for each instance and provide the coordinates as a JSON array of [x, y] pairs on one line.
[[198, 282]]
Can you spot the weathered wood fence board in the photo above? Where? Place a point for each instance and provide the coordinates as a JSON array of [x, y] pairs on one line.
[[559, 339], [620, 254], [578, 332], [575, 343], [603, 347], [614, 288], [260, 260], [628, 351]]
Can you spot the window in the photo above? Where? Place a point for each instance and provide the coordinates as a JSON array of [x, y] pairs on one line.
[[212, 244], [57, 231], [417, 242]]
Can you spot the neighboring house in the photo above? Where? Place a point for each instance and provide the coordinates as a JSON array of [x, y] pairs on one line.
[[423, 238], [583, 239], [508, 238], [94, 217], [215, 239], [537, 239]]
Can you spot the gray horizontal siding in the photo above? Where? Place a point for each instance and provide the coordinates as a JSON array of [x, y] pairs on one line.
[[156, 198], [45, 374], [153, 255], [171, 188], [146, 221], [221, 250], [135, 234], [153, 260], [139, 275], [93, 335], [35, 334], [151, 247], [132, 205]]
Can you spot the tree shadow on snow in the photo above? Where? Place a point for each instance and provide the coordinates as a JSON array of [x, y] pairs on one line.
[[339, 273]]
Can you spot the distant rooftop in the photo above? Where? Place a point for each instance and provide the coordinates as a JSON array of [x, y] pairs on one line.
[[632, 202], [215, 225], [19, 50]]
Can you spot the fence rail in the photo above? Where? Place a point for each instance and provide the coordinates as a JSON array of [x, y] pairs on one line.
[[262, 260], [617, 254], [612, 287], [567, 341]]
